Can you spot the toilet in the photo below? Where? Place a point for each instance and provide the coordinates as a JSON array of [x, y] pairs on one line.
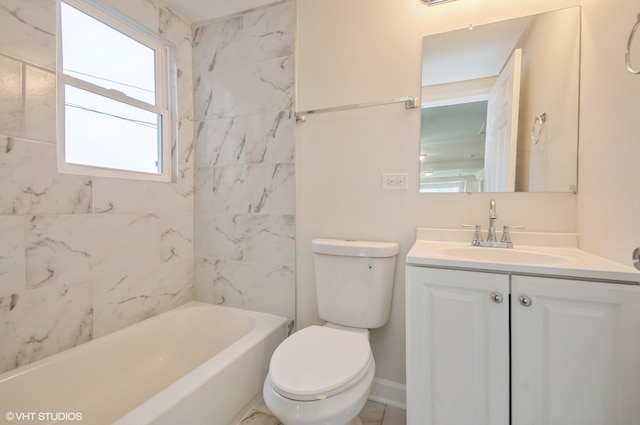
[[321, 375]]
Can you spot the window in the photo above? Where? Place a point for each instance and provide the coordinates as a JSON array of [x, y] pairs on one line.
[[116, 106]]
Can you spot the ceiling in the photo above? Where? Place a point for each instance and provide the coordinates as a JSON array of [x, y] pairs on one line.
[[472, 53], [196, 11]]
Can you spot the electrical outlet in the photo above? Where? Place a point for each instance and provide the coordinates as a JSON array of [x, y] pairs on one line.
[[394, 181]]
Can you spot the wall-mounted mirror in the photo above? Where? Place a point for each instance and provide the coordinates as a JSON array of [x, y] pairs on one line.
[[500, 106]]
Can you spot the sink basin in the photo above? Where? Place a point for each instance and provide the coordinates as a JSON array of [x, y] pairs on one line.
[[505, 255], [549, 254]]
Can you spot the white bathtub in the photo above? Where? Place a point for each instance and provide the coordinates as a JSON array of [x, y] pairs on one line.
[[197, 364]]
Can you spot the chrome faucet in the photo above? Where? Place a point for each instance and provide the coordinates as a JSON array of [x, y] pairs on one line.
[[492, 240], [491, 235]]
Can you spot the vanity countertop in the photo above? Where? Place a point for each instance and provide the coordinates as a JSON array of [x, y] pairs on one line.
[[537, 253]]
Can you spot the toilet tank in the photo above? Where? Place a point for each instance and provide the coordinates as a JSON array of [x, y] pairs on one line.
[[354, 281]]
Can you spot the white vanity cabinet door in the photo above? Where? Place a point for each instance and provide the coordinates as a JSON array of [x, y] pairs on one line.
[[457, 347], [575, 352]]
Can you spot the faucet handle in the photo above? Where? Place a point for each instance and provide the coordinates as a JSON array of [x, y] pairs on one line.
[[477, 236], [506, 234]]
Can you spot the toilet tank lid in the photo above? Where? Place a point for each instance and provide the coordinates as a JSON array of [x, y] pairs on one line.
[[354, 248]]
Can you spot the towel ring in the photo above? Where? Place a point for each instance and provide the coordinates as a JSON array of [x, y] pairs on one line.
[[538, 123], [627, 53]]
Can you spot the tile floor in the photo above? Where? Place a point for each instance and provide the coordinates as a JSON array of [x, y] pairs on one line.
[[373, 413]]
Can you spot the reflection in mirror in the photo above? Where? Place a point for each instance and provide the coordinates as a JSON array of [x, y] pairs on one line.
[[485, 93], [455, 135]]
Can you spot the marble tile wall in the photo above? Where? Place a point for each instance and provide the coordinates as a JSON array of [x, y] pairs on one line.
[[82, 256], [243, 74]]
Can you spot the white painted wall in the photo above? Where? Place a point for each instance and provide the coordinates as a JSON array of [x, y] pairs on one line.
[[609, 204], [549, 165], [352, 51]]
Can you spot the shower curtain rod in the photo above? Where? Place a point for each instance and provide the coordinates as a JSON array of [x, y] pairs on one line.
[[409, 101]]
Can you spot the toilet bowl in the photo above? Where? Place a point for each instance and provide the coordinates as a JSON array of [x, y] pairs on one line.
[[320, 376]]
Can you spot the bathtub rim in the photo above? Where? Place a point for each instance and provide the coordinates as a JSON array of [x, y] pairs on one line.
[[265, 325], [164, 400], [103, 339]]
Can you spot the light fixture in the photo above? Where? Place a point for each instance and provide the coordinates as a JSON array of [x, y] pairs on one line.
[[426, 165], [434, 2]]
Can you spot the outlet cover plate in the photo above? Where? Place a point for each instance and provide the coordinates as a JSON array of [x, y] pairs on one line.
[[394, 181]]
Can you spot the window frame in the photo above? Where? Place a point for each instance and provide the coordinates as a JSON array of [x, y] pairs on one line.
[[165, 86]]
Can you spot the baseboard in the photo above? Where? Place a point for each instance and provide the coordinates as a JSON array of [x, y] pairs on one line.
[[389, 392]]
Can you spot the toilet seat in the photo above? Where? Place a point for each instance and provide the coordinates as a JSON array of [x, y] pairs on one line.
[[318, 362]]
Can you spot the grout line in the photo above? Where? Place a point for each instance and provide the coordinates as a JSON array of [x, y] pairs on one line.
[[384, 413]]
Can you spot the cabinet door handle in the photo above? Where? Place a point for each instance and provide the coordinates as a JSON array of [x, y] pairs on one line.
[[525, 301], [497, 297]]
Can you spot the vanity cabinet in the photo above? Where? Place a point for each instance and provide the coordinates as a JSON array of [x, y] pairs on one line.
[[575, 352], [457, 347], [489, 348]]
